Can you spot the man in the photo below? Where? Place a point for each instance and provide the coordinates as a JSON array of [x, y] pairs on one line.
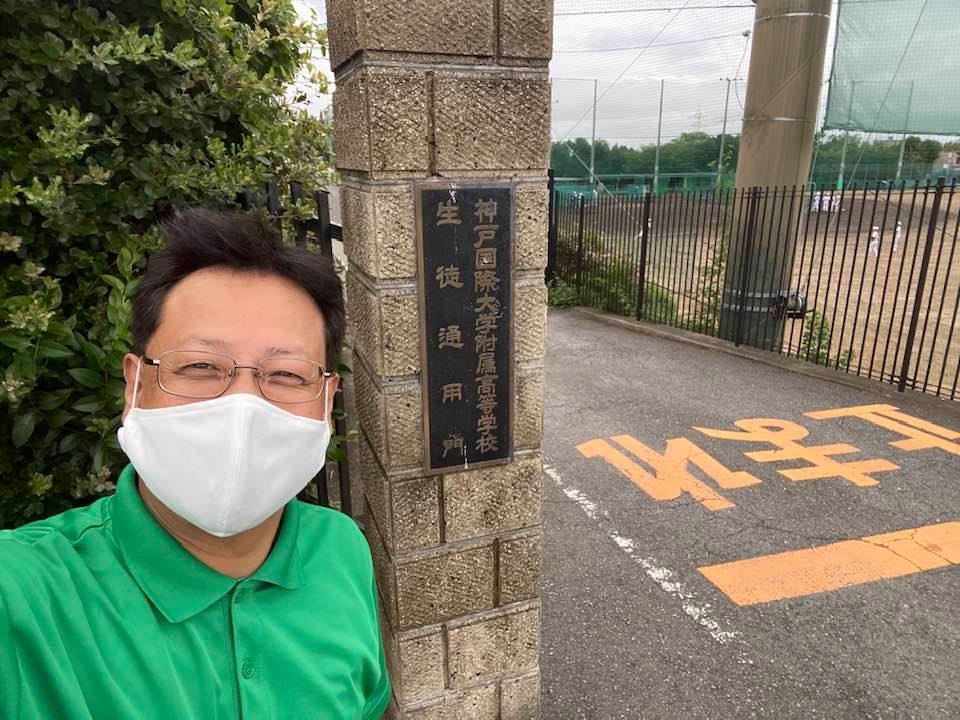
[[202, 588]]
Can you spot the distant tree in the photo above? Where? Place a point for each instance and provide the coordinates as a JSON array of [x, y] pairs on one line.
[[691, 152]]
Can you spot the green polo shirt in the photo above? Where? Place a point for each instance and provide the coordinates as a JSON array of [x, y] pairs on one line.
[[104, 615]]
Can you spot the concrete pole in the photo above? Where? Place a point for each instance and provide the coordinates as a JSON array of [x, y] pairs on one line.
[[458, 96], [776, 144], [593, 137], [656, 156], [723, 136]]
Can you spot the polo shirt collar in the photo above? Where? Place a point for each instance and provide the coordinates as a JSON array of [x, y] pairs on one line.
[[179, 585]]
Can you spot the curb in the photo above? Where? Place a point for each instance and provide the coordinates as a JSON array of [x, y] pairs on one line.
[[773, 360]]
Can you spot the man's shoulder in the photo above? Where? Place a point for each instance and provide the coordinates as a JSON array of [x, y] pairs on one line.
[[318, 520], [322, 527], [42, 549]]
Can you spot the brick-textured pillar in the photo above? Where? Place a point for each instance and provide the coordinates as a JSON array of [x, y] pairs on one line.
[[455, 89]]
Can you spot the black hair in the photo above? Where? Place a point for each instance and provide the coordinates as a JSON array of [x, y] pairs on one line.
[[199, 238]]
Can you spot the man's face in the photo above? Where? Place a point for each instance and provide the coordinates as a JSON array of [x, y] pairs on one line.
[[246, 316]]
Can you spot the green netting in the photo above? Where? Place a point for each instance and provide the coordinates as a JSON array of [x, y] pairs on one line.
[[895, 67]]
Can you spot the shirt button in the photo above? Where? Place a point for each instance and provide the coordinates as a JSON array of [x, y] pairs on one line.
[[247, 669]]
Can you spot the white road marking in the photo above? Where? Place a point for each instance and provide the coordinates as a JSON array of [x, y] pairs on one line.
[[700, 612]]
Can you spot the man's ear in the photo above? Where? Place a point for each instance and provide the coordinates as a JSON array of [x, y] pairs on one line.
[[131, 363], [333, 386]]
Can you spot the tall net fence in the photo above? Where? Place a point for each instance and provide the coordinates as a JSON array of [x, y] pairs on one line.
[[629, 112], [894, 67]]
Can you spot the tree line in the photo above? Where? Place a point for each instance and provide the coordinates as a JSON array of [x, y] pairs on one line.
[[698, 152]]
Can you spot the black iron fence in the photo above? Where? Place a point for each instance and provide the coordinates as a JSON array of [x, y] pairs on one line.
[[866, 281], [317, 230]]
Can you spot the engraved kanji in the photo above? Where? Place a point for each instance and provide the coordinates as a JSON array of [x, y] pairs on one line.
[[449, 276], [485, 233], [487, 304], [485, 210], [487, 423], [487, 443], [452, 392], [453, 441], [486, 363], [486, 281], [448, 213], [450, 337], [486, 258]]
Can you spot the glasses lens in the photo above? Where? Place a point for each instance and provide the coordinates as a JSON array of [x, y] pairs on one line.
[[290, 380], [195, 374]]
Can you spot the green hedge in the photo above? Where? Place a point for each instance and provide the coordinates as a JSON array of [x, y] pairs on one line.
[[111, 113]]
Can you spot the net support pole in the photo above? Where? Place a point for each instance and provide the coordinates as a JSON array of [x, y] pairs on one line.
[[846, 137], [903, 140], [593, 138], [723, 136], [656, 157], [776, 144]]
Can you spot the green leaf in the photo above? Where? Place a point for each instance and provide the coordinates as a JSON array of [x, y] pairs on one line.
[[94, 353], [115, 283], [51, 349], [59, 418], [51, 45], [22, 429], [53, 400], [337, 454], [98, 456], [86, 377], [14, 340], [88, 404], [70, 442]]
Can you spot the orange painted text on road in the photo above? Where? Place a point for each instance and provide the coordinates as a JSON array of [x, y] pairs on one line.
[[838, 565], [784, 435], [669, 475], [673, 477], [918, 434]]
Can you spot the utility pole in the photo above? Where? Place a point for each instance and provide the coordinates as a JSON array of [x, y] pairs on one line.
[[723, 136], [656, 157], [846, 136], [593, 136], [776, 144], [903, 140]]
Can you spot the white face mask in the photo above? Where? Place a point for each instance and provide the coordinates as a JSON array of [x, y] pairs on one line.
[[224, 465]]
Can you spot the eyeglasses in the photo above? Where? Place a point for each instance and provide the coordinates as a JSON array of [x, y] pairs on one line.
[[204, 375]]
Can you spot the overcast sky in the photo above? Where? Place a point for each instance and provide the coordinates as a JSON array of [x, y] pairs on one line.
[[694, 45]]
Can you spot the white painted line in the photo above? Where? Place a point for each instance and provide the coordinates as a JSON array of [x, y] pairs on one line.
[[700, 612]]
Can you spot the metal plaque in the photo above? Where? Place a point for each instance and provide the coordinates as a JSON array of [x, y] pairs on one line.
[[465, 245]]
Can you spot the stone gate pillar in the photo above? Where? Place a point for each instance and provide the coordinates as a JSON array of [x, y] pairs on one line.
[[449, 91]]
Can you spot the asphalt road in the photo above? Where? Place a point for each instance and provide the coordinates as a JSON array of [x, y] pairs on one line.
[[633, 629]]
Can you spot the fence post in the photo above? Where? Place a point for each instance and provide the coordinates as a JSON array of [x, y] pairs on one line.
[[323, 234], [747, 246], [343, 468], [274, 206], [552, 227], [921, 281], [644, 228], [300, 228], [580, 204]]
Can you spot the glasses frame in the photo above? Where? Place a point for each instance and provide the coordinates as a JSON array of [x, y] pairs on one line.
[[257, 374]]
